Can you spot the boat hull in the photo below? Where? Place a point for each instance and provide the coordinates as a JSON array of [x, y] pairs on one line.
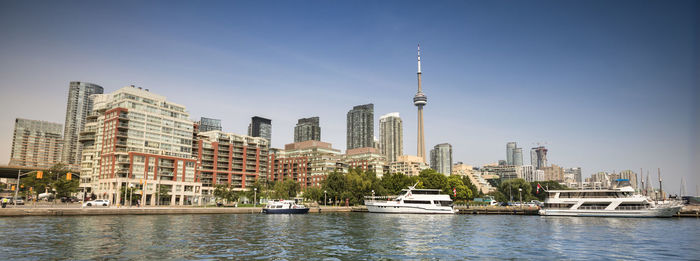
[[408, 209], [652, 212], [286, 210]]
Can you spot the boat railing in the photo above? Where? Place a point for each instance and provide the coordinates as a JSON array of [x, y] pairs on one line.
[[379, 198]]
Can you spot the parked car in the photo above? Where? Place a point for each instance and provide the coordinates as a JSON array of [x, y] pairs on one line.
[[69, 199], [536, 203], [97, 202], [18, 201]]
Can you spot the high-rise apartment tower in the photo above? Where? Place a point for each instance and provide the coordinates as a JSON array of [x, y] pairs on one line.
[[391, 136], [360, 127], [36, 144], [260, 127], [307, 129], [79, 105], [441, 158]]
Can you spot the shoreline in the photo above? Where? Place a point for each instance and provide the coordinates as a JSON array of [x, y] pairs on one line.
[[688, 211]]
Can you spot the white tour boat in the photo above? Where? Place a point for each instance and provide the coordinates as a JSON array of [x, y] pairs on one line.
[[618, 201], [412, 201]]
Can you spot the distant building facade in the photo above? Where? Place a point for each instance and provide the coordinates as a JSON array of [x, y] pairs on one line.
[[307, 129], [307, 162], [510, 148], [36, 143], [538, 157], [207, 124], [366, 159], [391, 136], [554, 173], [441, 158], [518, 157], [260, 127], [475, 177], [360, 127], [229, 159], [408, 165], [574, 173], [78, 107]]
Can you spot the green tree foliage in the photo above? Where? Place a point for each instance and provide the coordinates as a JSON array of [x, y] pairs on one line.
[[226, 193], [545, 185], [334, 184], [510, 187], [127, 192], [475, 192], [54, 179], [251, 193], [498, 196], [455, 182], [286, 189], [394, 183], [353, 186], [313, 194], [163, 194], [431, 179]]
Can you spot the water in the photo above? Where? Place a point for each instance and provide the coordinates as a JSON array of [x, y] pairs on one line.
[[347, 236]]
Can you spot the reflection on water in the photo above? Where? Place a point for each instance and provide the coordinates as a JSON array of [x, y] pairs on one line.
[[346, 236]]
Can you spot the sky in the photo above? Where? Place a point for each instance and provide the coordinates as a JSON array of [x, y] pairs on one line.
[[604, 85]]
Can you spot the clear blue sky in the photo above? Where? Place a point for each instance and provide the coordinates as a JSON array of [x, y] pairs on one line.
[[606, 85]]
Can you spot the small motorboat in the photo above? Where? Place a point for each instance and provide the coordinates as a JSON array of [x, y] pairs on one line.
[[284, 207]]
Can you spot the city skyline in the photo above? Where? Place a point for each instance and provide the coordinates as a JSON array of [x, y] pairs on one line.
[[636, 100]]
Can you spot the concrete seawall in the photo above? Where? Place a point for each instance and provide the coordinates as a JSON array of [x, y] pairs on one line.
[[95, 211]]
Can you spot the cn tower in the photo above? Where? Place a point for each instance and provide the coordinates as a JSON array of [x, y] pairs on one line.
[[420, 100]]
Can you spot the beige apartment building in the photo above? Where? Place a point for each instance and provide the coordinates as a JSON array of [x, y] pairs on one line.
[[134, 138]]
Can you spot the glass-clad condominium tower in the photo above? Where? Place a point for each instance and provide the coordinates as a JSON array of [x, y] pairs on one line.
[[360, 127], [79, 105]]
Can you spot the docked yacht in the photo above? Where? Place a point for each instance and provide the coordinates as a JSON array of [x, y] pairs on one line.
[[618, 201], [412, 201], [284, 207]]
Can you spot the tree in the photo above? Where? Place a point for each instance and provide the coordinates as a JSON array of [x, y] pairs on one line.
[[334, 184], [510, 187], [455, 182], [54, 179], [545, 185], [251, 193], [163, 194], [226, 193], [431, 179], [394, 183], [286, 189], [129, 193], [313, 193], [475, 192]]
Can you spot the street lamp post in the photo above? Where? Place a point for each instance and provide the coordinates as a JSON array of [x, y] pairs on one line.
[[255, 197], [325, 200], [520, 193]]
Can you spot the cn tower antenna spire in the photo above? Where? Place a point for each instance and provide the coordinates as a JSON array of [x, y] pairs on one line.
[[418, 58], [419, 101]]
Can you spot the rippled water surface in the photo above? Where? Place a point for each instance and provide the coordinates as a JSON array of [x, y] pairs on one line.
[[347, 236]]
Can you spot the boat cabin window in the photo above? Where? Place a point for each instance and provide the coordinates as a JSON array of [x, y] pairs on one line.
[[416, 202], [425, 192], [444, 203], [551, 205]]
